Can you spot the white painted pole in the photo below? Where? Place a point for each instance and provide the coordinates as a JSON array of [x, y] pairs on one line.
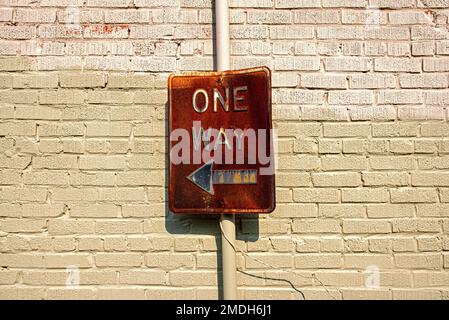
[[222, 36], [227, 221]]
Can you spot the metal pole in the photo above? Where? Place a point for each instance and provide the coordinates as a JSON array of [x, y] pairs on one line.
[[227, 221]]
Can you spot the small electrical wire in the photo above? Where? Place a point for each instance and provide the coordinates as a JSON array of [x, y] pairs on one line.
[[314, 277]]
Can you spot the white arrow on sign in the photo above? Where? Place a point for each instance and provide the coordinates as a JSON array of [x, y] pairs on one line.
[[205, 177]]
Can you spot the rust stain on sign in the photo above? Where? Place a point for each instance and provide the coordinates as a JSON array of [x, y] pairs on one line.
[[221, 143]]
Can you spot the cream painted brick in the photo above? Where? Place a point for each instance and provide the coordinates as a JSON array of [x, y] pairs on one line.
[[329, 146], [331, 245], [400, 97], [435, 64], [398, 129], [138, 277], [279, 261], [118, 260], [115, 243], [25, 226], [294, 63], [62, 97], [15, 162], [362, 261], [56, 261], [436, 98], [430, 279], [305, 48], [424, 81], [402, 146], [46, 178], [55, 162], [15, 63], [292, 96], [433, 210], [322, 261], [296, 211], [8, 177], [8, 277], [292, 4], [347, 64], [14, 293], [379, 245], [322, 195], [269, 17], [70, 294], [434, 129], [340, 163], [442, 48], [43, 210], [423, 48], [117, 227], [82, 80], [21, 260], [397, 65], [329, 113], [101, 162], [70, 227], [390, 4], [35, 81], [341, 210], [307, 245], [404, 245], [354, 146], [367, 17], [392, 163], [390, 211], [6, 14], [344, 3], [385, 179], [341, 32], [11, 194], [203, 278], [281, 79], [336, 179], [316, 17], [404, 195], [424, 146], [429, 261], [444, 195], [429, 244], [366, 226], [324, 81], [365, 195], [106, 129], [372, 81], [290, 32], [154, 210], [317, 226], [90, 244], [430, 179], [346, 130], [35, 15], [169, 261]]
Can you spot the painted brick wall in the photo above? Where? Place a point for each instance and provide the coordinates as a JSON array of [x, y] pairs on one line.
[[361, 111]]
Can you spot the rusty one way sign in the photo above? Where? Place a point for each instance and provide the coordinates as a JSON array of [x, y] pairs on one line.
[[221, 142]]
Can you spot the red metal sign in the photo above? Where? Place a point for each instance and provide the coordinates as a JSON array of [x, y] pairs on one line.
[[220, 142]]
